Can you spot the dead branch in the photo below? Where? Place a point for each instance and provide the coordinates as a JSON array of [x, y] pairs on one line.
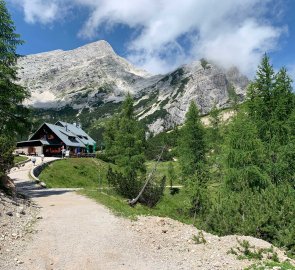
[[135, 200]]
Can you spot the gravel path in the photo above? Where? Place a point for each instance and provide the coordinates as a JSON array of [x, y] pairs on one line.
[[77, 233]]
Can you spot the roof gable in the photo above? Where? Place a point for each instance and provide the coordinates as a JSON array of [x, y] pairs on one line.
[[65, 135], [79, 132], [70, 134]]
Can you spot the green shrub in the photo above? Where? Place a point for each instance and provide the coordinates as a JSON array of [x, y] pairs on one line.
[[130, 187]]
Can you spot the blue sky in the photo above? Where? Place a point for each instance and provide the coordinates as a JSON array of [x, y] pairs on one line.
[[161, 35]]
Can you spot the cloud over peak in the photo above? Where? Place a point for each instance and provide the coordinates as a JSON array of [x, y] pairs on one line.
[[227, 32]]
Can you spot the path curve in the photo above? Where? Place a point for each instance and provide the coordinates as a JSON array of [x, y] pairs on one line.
[[76, 233]]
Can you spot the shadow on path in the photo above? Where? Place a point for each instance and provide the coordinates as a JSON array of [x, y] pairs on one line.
[[30, 189]]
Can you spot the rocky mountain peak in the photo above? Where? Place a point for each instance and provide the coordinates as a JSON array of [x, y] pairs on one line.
[[99, 48], [92, 77]]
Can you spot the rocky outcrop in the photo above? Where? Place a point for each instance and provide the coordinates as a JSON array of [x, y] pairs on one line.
[[93, 76]]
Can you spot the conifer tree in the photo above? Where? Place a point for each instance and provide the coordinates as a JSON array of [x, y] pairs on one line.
[[191, 145], [260, 98], [270, 105], [125, 140], [244, 156], [12, 113], [109, 137]]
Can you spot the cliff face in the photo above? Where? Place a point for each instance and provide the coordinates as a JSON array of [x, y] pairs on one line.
[[94, 76]]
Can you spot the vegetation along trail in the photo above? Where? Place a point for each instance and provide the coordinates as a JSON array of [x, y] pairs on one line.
[[77, 233]]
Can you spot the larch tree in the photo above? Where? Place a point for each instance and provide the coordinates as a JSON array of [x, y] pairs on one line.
[[191, 146], [125, 140], [244, 156]]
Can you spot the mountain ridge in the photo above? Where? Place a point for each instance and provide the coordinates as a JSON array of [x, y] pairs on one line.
[[93, 78]]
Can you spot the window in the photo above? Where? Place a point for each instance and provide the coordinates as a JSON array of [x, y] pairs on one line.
[[50, 137], [72, 139]]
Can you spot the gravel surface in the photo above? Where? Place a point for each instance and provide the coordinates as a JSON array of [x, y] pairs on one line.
[[17, 217], [74, 232]]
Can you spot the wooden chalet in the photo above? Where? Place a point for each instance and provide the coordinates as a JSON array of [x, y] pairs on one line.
[[53, 140]]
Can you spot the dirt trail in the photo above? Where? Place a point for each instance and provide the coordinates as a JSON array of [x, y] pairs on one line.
[[75, 233]]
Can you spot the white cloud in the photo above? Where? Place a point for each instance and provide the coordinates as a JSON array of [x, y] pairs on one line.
[[39, 10], [228, 32]]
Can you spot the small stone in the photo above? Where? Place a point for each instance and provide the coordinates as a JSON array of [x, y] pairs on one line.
[[14, 235], [42, 184], [9, 213], [164, 231], [39, 217]]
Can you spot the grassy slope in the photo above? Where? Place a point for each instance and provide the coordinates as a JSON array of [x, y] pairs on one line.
[[74, 172], [86, 172], [170, 206], [162, 169]]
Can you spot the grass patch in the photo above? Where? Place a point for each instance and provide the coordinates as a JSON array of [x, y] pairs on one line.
[[75, 172], [162, 169], [174, 206], [18, 159], [271, 265]]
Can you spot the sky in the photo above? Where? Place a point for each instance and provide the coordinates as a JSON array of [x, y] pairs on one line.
[[160, 35]]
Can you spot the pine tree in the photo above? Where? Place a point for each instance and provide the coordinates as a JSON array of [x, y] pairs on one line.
[[191, 145]]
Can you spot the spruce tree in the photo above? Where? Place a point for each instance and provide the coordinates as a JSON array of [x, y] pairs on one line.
[[191, 146], [270, 105], [12, 113], [260, 98]]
